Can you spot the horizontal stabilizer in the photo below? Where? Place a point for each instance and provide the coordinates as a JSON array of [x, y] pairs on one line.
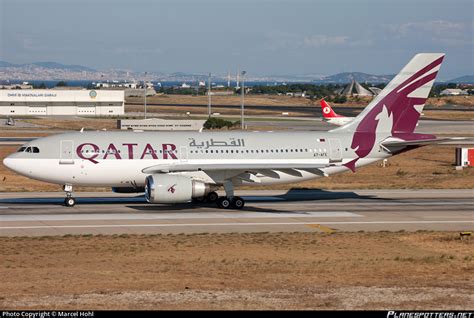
[[425, 142]]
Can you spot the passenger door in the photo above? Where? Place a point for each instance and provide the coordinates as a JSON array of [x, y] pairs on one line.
[[66, 152], [335, 152]]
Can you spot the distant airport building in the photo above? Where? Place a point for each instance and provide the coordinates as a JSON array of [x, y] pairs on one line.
[[115, 84], [61, 102], [160, 124], [453, 92], [24, 85], [355, 89]]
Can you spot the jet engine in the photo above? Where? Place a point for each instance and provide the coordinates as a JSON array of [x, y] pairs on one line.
[[166, 188]]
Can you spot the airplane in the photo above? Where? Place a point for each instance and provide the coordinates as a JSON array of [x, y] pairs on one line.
[[178, 166], [330, 115]]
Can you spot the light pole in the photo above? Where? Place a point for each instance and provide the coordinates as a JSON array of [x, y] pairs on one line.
[[209, 96], [145, 87], [242, 93]]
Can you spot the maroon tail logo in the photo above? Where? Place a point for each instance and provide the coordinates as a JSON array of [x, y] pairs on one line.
[[400, 108], [172, 189]]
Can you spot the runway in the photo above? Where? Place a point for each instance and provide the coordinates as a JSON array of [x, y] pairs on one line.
[[39, 214]]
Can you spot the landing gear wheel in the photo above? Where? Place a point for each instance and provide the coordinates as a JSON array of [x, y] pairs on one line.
[[224, 203], [238, 202], [212, 197], [69, 201]]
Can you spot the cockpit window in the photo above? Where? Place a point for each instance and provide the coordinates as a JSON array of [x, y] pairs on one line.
[[29, 149]]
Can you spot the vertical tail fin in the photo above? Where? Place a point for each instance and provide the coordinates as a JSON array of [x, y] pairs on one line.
[[328, 112], [396, 110]]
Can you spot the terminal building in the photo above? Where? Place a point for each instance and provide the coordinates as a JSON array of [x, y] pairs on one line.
[[61, 102]]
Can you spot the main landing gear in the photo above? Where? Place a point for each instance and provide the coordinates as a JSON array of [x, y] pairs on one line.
[[227, 203], [69, 200], [230, 201]]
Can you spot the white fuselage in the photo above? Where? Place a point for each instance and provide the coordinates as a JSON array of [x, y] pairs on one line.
[[117, 159]]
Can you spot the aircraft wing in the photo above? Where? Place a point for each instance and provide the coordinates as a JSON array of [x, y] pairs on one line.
[[182, 167]]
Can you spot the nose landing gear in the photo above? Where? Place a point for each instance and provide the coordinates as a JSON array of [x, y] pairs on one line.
[[69, 201]]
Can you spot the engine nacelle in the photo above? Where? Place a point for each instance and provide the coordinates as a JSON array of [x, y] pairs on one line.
[[166, 188]]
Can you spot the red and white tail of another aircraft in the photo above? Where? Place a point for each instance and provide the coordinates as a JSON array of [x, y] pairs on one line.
[[331, 117]]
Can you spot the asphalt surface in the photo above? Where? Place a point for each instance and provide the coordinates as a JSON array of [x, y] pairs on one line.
[[38, 214]]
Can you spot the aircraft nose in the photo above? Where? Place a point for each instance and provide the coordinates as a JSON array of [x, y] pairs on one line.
[[8, 162]]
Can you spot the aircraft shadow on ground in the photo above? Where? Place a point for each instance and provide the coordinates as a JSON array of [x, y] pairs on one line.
[[301, 194], [292, 195]]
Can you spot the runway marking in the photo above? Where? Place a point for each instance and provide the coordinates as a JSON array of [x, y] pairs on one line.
[[229, 224], [175, 216], [364, 201], [322, 228]]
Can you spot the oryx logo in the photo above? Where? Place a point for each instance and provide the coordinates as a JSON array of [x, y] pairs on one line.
[[172, 189], [93, 94], [326, 110], [396, 112]]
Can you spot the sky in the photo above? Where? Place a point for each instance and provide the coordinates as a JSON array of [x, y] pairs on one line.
[[263, 37]]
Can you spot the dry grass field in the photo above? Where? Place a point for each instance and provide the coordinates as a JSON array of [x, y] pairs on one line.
[[451, 100], [257, 100], [422, 270], [74, 123]]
